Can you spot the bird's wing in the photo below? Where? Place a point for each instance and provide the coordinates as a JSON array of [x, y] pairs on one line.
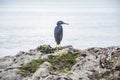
[[58, 34]]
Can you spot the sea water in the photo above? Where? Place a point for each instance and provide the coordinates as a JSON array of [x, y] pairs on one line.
[[26, 27]]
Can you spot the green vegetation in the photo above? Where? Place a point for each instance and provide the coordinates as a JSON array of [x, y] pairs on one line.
[[117, 68], [46, 49], [61, 63]]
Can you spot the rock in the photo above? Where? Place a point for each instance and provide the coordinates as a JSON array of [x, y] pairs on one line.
[[45, 65], [79, 75], [42, 71], [45, 49], [110, 59], [73, 75], [89, 64], [5, 62], [10, 74], [9, 66], [50, 77]]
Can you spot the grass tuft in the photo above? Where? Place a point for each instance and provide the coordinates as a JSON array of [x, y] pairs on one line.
[[59, 63]]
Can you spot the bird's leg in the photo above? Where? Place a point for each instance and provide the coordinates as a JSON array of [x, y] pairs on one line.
[[56, 47], [59, 45]]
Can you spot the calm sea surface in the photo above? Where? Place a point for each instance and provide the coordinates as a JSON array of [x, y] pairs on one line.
[[89, 26]]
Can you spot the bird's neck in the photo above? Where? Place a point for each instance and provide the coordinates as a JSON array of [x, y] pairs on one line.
[[59, 25]]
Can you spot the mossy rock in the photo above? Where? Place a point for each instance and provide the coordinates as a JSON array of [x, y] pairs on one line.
[[60, 64], [117, 68], [46, 49]]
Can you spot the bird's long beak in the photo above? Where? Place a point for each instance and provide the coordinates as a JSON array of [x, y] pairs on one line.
[[66, 23]]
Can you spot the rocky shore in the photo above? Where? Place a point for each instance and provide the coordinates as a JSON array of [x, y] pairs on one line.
[[64, 63]]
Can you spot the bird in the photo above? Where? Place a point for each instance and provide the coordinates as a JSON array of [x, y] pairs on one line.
[[58, 32]]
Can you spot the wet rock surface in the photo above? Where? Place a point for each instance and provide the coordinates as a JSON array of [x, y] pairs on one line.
[[64, 63]]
